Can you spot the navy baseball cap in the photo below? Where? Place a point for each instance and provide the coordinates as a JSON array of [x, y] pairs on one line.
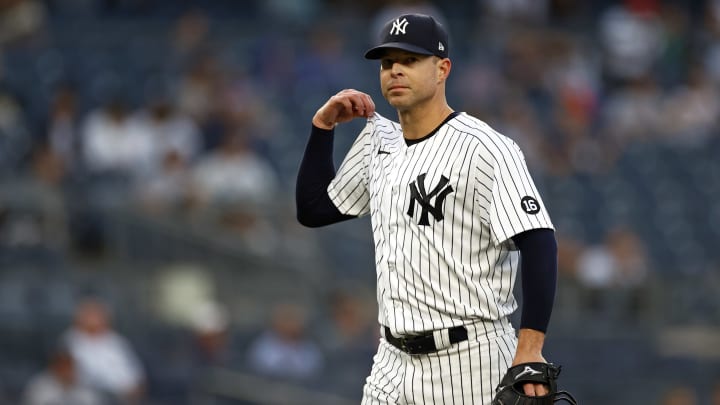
[[417, 33]]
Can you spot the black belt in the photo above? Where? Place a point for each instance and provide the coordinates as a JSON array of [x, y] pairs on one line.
[[425, 343]]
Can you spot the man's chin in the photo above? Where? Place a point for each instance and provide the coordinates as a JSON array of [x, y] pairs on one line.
[[398, 103]]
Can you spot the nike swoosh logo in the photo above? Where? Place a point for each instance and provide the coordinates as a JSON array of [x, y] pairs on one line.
[[383, 152]]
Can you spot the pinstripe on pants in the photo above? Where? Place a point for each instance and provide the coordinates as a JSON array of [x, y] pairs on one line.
[[463, 374]]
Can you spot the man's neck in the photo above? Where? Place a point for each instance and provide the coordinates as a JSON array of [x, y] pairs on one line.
[[418, 122]]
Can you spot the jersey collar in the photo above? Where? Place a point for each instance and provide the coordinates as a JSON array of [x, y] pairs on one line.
[[411, 142]]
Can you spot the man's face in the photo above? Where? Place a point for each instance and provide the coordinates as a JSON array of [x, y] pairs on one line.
[[408, 79]]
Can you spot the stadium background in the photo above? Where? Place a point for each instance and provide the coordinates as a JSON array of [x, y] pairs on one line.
[[615, 104]]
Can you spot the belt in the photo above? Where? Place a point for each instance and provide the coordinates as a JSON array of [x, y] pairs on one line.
[[425, 343]]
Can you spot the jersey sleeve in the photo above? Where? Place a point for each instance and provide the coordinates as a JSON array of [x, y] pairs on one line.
[[516, 205], [349, 189]]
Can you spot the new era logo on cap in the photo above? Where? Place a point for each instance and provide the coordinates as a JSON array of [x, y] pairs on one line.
[[416, 33]]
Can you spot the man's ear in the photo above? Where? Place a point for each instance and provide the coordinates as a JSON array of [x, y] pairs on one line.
[[444, 67]]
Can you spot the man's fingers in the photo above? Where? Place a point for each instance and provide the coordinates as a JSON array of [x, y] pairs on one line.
[[343, 107], [367, 106], [535, 390], [337, 109], [361, 104]]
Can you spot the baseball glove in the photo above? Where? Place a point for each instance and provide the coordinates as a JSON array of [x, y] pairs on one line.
[[510, 391]]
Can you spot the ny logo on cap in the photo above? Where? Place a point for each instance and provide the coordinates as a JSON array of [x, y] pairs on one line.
[[399, 26]]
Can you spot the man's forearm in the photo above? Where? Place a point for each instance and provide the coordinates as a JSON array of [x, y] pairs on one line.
[[314, 207], [538, 253]]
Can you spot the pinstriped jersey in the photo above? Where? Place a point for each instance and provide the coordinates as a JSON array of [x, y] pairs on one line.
[[442, 211]]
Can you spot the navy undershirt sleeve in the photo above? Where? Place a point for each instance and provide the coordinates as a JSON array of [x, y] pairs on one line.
[[313, 204], [538, 251]]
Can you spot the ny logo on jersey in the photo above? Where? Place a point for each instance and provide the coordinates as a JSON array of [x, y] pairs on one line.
[[399, 26], [418, 193]]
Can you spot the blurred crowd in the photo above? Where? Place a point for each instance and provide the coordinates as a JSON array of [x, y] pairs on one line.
[[92, 362], [198, 113]]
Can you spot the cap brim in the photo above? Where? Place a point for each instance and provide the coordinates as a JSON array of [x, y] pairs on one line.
[[379, 51]]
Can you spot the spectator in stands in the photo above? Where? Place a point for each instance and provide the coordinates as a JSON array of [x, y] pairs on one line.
[[573, 84], [212, 337], [234, 174], [244, 103], [630, 35], [58, 384], [169, 189], [105, 359], [171, 131], [614, 273], [585, 152], [630, 256], [45, 188], [115, 143], [633, 111], [285, 350], [21, 21], [212, 347], [596, 272], [177, 142], [198, 90], [570, 249], [690, 111]]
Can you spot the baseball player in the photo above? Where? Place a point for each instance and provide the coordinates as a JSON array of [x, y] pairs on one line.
[[453, 211]]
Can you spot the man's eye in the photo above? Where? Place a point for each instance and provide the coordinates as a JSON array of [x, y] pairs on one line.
[[386, 63]]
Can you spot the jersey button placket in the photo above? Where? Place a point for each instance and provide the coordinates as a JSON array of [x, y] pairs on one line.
[[391, 205]]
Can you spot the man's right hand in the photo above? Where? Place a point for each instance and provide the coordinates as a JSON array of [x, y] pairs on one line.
[[343, 107]]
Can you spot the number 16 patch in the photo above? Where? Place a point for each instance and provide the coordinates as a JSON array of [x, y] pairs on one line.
[[530, 205]]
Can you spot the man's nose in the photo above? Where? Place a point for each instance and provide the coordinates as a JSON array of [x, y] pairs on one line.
[[396, 69]]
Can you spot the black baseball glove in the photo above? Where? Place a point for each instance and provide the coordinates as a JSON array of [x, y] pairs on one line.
[[510, 391]]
